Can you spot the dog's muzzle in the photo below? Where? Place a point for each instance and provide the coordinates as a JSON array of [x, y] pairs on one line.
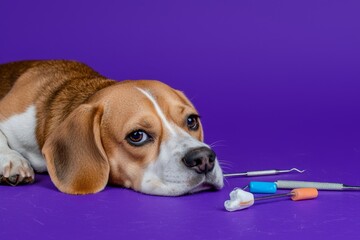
[[201, 159]]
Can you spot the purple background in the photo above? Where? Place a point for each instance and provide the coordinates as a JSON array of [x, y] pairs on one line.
[[276, 82]]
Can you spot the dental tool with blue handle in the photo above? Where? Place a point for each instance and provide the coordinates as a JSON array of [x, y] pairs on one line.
[[271, 187]]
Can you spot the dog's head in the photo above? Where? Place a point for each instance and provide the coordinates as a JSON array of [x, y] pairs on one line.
[[142, 135]]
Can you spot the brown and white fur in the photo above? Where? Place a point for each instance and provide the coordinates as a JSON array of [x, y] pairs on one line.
[[65, 118]]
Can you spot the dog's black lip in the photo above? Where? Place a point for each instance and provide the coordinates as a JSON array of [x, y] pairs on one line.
[[205, 186]]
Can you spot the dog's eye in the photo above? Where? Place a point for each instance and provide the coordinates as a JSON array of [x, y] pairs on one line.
[[193, 122], [138, 138]]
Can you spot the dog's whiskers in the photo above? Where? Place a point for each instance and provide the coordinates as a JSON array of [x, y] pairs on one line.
[[225, 163], [215, 144], [225, 166], [226, 181]]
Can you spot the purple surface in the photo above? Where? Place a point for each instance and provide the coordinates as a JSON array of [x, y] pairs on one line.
[[276, 82]]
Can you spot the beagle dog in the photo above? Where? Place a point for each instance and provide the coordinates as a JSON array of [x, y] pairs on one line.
[[87, 131]]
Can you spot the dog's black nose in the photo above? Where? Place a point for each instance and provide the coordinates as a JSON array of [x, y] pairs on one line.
[[200, 159]]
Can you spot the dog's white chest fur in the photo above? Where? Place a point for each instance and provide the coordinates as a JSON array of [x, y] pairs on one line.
[[20, 133]]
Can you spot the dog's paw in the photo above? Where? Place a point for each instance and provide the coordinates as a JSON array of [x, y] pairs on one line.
[[15, 169]]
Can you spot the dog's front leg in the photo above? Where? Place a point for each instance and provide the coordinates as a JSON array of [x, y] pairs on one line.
[[14, 168]]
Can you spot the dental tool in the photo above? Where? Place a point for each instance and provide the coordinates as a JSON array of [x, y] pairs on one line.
[[271, 187], [240, 199], [262, 173]]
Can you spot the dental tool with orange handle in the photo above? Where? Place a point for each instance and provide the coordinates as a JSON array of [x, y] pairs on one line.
[[240, 199]]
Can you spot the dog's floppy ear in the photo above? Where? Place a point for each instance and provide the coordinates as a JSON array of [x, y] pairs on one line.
[[75, 157]]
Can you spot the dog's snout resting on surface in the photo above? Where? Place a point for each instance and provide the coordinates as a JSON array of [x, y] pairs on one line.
[[88, 131]]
